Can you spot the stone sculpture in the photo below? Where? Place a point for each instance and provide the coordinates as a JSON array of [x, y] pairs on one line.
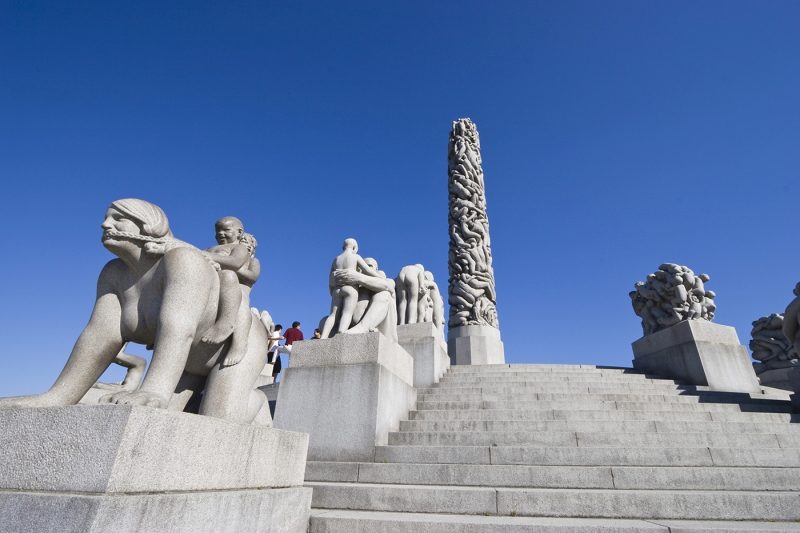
[[164, 293], [670, 295], [769, 345], [418, 297], [791, 321], [471, 288], [362, 298]]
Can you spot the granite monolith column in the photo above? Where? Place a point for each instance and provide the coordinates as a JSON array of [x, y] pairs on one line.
[[473, 333]]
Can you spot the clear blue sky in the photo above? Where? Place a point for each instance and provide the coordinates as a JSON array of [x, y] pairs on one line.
[[616, 136]]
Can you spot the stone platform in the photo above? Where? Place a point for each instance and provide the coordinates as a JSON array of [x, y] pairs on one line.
[[697, 352], [475, 345], [347, 392], [425, 343], [125, 469]]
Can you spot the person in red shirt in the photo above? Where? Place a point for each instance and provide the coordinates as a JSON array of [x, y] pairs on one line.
[[292, 334]]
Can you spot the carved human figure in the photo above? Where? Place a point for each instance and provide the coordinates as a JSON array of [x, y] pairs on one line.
[[769, 345], [344, 296], [410, 288], [671, 294], [791, 320], [164, 300], [238, 272], [376, 308]]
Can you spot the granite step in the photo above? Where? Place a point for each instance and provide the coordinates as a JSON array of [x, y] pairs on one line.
[[589, 414], [348, 521], [627, 426], [552, 377], [573, 503], [610, 456], [749, 406], [538, 476], [593, 439], [531, 395]]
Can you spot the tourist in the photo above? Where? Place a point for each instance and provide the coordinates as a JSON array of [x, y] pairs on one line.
[[317, 334]]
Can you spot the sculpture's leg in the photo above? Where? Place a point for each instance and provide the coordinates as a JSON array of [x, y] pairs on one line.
[[241, 332], [230, 390], [349, 301], [402, 301], [230, 300], [330, 322], [376, 313], [413, 300]]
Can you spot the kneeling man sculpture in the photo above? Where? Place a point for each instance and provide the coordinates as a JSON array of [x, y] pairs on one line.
[[163, 293]]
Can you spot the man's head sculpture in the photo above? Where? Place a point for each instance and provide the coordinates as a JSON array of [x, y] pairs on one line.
[[149, 217]]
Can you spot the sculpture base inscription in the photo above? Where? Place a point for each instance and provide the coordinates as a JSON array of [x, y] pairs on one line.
[[697, 352], [130, 468]]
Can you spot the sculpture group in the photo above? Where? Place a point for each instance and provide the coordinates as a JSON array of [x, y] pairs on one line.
[[670, 295], [190, 306], [364, 299]]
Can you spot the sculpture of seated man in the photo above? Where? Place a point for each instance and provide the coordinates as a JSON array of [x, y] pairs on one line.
[[376, 309], [234, 253], [344, 297], [166, 299]]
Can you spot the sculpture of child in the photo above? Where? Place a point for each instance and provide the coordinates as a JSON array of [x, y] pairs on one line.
[[345, 297], [234, 252]]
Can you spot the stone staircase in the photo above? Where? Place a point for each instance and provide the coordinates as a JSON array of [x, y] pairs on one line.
[[571, 448]]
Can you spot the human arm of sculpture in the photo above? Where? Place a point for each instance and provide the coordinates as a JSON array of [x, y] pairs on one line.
[[348, 277], [249, 274], [364, 268], [238, 257]]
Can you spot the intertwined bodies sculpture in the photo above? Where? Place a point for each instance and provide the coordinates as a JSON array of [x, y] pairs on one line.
[[471, 286], [164, 293], [670, 295]]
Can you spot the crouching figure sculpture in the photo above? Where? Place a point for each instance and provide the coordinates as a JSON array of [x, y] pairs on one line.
[[163, 293]]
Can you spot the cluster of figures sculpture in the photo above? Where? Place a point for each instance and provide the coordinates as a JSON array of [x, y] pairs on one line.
[[670, 295], [471, 291], [192, 308], [770, 346], [363, 299]]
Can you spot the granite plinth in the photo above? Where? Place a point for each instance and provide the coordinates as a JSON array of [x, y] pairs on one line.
[[101, 467], [425, 342], [347, 393], [697, 352], [475, 345]]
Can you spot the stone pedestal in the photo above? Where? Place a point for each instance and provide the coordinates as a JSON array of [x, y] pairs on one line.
[[348, 393], [778, 378], [697, 352], [475, 345], [110, 468], [425, 343]]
